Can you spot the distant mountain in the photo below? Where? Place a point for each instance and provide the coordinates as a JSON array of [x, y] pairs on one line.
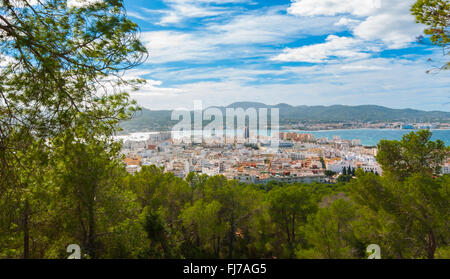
[[246, 105], [148, 120]]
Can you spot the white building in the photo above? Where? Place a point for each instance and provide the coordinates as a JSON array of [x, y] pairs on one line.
[[133, 169], [297, 156], [375, 168], [446, 169], [338, 167], [356, 142]]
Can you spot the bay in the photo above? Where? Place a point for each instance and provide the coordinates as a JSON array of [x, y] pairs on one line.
[[371, 137]]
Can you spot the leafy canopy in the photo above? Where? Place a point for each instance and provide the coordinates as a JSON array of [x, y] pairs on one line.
[[436, 15]]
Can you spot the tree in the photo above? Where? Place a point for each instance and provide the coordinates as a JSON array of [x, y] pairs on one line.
[[203, 226], [197, 183], [289, 207], [408, 219], [407, 209], [350, 171], [436, 15], [62, 70], [330, 232], [92, 196], [344, 178], [415, 153], [324, 164], [22, 210], [238, 206], [329, 173], [158, 234], [162, 197], [65, 61]]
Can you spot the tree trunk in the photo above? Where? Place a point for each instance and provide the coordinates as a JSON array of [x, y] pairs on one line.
[[232, 235], [218, 247], [431, 249], [92, 231], [26, 231]]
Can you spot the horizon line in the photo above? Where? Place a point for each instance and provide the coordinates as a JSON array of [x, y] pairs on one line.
[[297, 106]]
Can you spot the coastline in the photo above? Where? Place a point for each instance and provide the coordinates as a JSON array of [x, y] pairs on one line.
[[360, 129], [371, 137]]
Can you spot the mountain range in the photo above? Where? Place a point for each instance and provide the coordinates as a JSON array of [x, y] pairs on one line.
[[148, 120]]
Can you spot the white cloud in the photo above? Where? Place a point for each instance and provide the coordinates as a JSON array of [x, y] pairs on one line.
[[180, 10], [136, 15], [153, 88], [395, 31], [242, 36], [333, 7], [338, 47], [21, 3], [388, 21], [81, 3], [271, 26], [347, 22], [396, 83], [247, 74], [362, 67], [351, 75], [170, 46], [5, 60], [150, 89]]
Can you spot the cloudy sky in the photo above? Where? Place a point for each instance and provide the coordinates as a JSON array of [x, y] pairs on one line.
[[300, 52]]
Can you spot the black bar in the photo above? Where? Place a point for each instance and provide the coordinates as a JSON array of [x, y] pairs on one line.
[[248, 269]]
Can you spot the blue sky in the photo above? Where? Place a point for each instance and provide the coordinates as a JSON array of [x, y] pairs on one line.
[[300, 52]]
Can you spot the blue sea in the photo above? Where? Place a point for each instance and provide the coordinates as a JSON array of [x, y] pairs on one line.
[[371, 137]]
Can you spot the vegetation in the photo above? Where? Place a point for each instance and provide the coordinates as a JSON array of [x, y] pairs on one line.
[[436, 15], [62, 94]]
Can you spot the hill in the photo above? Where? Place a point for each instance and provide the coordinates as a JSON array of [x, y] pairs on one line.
[[151, 120]]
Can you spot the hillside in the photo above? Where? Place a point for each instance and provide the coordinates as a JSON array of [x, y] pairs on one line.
[[148, 120]]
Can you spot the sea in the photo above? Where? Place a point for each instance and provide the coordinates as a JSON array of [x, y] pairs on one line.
[[368, 137], [371, 137]]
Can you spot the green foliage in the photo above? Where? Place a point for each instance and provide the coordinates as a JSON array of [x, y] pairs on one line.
[[436, 15], [202, 222], [62, 97], [157, 233], [322, 162], [329, 173], [344, 178], [289, 207], [330, 232], [407, 218], [415, 153]]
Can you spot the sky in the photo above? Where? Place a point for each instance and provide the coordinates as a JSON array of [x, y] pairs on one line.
[[299, 52]]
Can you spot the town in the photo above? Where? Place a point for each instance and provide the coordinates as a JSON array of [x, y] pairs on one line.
[[365, 125], [299, 158]]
